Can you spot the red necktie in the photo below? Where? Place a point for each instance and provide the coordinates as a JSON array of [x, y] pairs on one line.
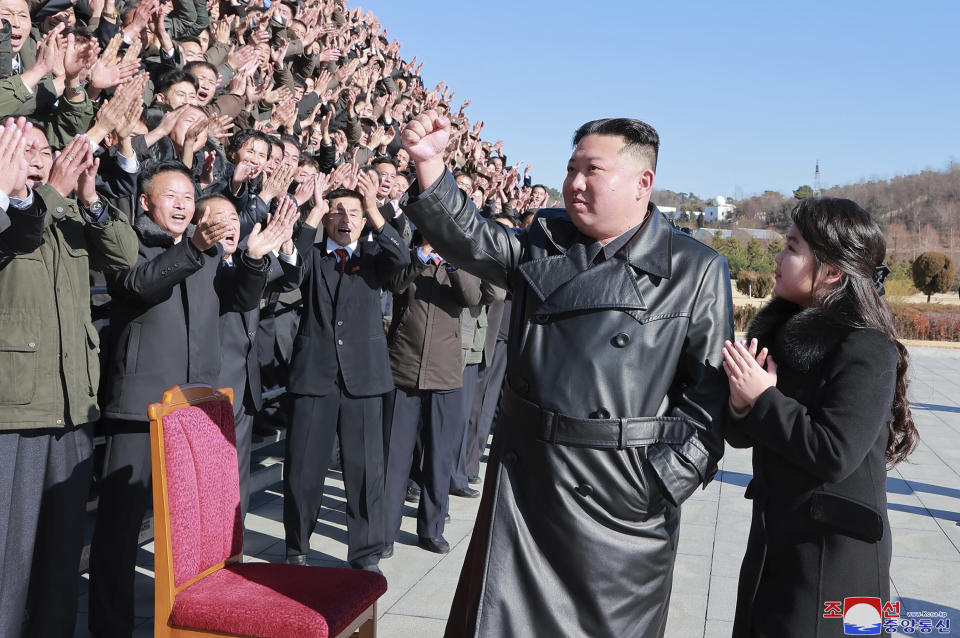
[[342, 263]]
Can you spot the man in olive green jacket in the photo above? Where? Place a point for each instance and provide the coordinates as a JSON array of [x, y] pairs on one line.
[[49, 375]]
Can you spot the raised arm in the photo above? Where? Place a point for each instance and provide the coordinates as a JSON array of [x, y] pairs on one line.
[[444, 213]]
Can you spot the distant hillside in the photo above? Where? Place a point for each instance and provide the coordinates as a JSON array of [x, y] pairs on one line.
[[918, 212]]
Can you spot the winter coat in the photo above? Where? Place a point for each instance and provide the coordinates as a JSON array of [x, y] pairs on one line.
[[166, 313], [820, 531], [610, 419], [49, 368], [425, 343]]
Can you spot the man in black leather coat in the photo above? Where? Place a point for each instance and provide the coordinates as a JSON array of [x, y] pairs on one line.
[[612, 409]]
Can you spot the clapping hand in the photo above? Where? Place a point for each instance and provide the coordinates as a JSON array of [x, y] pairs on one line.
[[13, 146], [109, 69], [276, 231], [749, 373], [210, 231], [75, 158]]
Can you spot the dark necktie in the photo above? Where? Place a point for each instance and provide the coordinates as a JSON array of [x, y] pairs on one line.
[[342, 263]]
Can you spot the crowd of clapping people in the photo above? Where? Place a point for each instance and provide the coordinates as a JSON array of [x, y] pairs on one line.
[[232, 173]]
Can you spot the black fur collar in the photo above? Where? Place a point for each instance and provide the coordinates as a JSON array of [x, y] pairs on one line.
[[152, 235], [797, 338]]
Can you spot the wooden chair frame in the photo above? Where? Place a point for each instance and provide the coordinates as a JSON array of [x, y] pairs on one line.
[[176, 398]]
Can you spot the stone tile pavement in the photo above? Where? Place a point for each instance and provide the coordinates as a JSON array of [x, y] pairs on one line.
[[924, 509]]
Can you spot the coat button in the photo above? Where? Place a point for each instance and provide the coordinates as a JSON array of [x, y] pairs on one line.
[[602, 413], [585, 489], [59, 210], [339, 342], [621, 340], [32, 344], [509, 458], [340, 322], [541, 318]]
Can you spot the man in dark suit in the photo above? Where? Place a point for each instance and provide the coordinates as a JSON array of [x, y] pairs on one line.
[[339, 371], [239, 361]]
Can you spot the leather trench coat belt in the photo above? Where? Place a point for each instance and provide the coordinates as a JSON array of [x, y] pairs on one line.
[[610, 420], [553, 427]]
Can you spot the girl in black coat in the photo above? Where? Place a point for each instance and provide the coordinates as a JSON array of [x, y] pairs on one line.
[[819, 392]]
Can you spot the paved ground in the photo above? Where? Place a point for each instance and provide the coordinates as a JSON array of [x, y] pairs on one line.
[[924, 513]]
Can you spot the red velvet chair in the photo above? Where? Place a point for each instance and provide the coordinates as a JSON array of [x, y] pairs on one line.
[[202, 586]]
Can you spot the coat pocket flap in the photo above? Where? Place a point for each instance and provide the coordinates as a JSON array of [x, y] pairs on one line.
[[847, 515]]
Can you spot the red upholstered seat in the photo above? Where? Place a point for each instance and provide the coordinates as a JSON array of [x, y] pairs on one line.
[[277, 601], [203, 488], [202, 587]]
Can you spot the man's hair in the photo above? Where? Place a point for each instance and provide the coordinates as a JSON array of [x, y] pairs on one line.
[[275, 142], [339, 193], [539, 186], [206, 199], [383, 159], [306, 160], [190, 38], [79, 32], [200, 64], [290, 139], [640, 139], [175, 76], [151, 169], [238, 139]]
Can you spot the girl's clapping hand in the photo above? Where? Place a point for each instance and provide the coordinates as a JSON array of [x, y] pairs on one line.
[[749, 373]]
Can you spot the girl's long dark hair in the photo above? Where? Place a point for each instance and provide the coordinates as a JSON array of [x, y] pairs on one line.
[[843, 235]]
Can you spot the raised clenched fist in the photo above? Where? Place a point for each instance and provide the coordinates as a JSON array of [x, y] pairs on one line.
[[426, 136]]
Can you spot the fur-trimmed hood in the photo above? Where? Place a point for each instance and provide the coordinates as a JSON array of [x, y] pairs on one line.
[[797, 338], [152, 235]]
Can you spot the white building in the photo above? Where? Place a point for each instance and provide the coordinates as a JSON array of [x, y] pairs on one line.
[[719, 213]]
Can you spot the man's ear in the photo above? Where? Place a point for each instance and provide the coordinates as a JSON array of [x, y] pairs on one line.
[[645, 183], [144, 202], [160, 97]]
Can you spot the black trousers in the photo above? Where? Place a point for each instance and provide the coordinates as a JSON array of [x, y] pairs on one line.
[[243, 419], [439, 412], [485, 407], [125, 495], [44, 481], [459, 477], [314, 424]]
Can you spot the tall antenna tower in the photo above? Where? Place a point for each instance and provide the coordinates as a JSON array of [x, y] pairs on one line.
[[817, 187]]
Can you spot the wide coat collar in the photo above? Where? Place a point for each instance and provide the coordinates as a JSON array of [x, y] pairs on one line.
[[565, 282], [152, 235], [798, 338]]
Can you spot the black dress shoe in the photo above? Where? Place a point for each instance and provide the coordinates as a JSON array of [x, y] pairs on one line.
[[413, 495], [296, 559], [465, 492], [474, 480], [437, 545], [387, 553]]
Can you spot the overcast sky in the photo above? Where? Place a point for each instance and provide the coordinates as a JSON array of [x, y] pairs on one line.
[[746, 96]]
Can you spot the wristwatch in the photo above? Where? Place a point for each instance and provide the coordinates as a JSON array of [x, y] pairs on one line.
[[73, 90], [95, 209]]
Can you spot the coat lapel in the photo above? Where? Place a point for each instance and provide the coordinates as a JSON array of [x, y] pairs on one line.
[[329, 274], [565, 283], [611, 284]]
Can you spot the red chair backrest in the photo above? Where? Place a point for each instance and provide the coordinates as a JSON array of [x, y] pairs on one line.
[[199, 445]]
